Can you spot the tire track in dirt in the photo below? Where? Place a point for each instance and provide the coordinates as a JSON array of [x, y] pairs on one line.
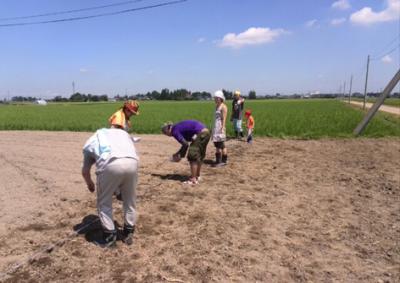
[[24, 171]]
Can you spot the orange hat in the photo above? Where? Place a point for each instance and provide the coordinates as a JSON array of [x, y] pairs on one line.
[[132, 106], [247, 113]]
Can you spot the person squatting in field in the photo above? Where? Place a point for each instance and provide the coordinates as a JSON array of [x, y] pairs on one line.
[[219, 130], [116, 160], [249, 125], [194, 136], [237, 113], [120, 119]]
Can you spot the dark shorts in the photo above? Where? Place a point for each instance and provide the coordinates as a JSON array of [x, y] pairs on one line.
[[219, 145], [197, 149]]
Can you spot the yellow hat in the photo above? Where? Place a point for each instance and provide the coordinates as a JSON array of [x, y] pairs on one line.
[[237, 93]]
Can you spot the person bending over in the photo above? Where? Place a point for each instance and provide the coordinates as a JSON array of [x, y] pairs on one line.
[[193, 137], [121, 118], [114, 153]]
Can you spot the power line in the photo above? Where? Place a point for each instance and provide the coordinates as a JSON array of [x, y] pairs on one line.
[[388, 53], [95, 16], [71, 11], [389, 44]]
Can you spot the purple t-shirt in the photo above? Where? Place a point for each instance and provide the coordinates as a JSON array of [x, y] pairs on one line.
[[184, 131]]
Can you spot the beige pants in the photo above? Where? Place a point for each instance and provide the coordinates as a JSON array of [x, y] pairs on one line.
[[121, 174]]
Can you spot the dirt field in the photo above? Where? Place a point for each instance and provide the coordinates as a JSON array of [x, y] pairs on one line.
[[282, 211]]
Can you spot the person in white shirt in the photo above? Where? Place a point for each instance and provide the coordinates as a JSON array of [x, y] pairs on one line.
[[219, 129], [113, 151]]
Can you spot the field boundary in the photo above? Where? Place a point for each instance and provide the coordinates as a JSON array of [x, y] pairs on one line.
[[384, 108]]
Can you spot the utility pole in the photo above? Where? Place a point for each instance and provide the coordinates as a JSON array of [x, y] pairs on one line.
[[344, 90], [73, 87], [366, 83], [371, 112], [351, 84]]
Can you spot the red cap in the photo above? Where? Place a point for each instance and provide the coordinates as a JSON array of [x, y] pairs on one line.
[[132, 106]]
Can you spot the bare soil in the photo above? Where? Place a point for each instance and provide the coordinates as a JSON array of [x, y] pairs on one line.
[[385, 108], [281, 211]]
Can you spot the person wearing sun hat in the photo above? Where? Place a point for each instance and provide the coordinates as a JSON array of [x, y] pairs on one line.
[[219, 129], [120, 119], [237, 113]]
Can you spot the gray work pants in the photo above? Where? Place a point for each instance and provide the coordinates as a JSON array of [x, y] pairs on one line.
[[120, 174]]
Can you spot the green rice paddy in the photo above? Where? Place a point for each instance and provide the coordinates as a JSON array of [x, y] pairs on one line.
[[274, 118]]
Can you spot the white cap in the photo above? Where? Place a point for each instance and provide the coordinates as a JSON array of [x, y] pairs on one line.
[[219, 94]]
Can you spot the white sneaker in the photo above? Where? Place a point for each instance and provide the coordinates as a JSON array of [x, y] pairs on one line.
[[191, 182]]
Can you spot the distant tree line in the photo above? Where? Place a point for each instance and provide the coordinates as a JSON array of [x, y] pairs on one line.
[[178, 94], [23, 99], [184, 94], [79, 97]]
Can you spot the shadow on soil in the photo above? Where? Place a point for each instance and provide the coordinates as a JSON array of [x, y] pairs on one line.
[[209, 161], [90, 227], [174, 177]]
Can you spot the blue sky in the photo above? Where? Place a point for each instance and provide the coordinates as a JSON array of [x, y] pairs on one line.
[[270, 46]]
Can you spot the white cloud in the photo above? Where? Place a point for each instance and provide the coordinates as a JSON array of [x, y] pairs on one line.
[[341, 5], [311, 23], [83, 70], [367, 16], [252, 36], [387, 59], [336, 22], [201, 40]]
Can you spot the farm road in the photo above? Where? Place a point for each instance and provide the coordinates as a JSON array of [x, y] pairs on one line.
[[385, 108], [281, 211]]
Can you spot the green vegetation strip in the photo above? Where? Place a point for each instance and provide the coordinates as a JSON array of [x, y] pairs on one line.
[[274, 118]]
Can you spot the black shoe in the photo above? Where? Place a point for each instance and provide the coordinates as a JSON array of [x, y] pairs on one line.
[[224, 159], [218, 158], [107, 240], [127, 235]]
